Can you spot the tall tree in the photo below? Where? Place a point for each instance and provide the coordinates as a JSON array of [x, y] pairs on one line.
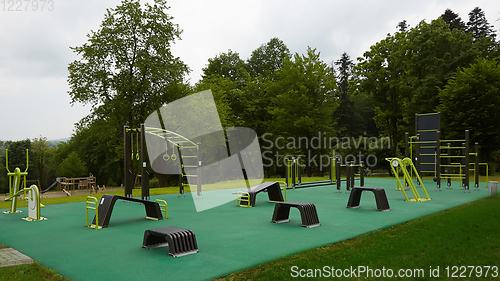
[[302, 107], [453, 20], [478, 25], [126, 68], [41, 153], [345, 112], [470, 101]]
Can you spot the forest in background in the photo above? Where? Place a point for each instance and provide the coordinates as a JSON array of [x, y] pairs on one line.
[[126, 71]]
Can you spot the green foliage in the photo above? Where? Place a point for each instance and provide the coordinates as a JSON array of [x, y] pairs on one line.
[[41, 159], [72, 167], [126, 70], [470, 101]]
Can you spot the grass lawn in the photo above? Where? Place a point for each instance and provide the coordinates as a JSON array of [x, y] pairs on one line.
[[463, 236]]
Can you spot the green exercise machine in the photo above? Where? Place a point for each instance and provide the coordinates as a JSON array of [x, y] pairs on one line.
[[31, 194], [402, 165]]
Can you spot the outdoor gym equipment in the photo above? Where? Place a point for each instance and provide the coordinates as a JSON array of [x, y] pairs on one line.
[[350, 175], [294, 174], [307, 211], [247, 198], [380, 198], [402, 165], [105, 207], [15, 182], [180, 241], [447, 159], [185, 153]]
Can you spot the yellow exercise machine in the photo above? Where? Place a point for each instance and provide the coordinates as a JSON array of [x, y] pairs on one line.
[[402, 165]]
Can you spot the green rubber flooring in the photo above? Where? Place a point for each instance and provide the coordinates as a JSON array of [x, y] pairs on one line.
[[229, 238]]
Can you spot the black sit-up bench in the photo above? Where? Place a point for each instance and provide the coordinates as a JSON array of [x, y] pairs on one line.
[[107, 202], [307, 213], [180, 241], [380, 198]]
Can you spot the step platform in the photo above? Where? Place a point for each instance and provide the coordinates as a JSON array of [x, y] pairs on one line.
[[307, 213], [380, 198], [180, 241]]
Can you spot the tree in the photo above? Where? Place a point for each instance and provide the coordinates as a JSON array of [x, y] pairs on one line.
[[41, 153], [72, 167], [127, 69], [478, 25], [266, 60], [453, 20], [344, 114], [403, 26], [470, 101], [304, 104]]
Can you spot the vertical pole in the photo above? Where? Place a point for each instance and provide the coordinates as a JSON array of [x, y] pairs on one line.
[[348, 176], [353, 169], [417, 155], [293, 172], [337, 174], [181, 164], [361, 174], [449, 167], [476, 166], [127, 154], [198, 170], [144, 172], [407, 139], [299, 172], [437, 160], [466, 159]]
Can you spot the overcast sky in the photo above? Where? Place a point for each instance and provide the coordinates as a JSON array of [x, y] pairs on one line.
[[34, 45]]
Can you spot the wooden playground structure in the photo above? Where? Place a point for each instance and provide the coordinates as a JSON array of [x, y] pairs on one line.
[[68, 185]]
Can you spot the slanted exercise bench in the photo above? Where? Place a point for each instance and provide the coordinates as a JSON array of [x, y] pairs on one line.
[[107, 202], [180, 241], [307, 213], [380, 198]]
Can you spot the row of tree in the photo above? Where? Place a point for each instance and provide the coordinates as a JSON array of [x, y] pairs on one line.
[[126, 71]]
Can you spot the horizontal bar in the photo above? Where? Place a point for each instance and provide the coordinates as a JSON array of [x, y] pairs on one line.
[[451, 140], [430, 130], [452, 156], [452, 147]]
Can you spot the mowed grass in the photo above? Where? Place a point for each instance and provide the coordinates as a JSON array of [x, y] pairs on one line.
[[462, 236]]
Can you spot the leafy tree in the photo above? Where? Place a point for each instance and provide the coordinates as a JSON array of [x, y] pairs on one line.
[[72, 167], [470, 101], [453, 20], [226, 65], [41, 158], [127, 69], [304, 103], [266, 60], [380, 75]]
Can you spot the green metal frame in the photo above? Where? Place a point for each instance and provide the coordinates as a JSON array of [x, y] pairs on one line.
[[163, 206], [243, 196], [91, 200], [407, 179], [15, 182]]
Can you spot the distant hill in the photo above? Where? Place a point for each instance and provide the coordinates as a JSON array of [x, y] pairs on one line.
[[54, 143]]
